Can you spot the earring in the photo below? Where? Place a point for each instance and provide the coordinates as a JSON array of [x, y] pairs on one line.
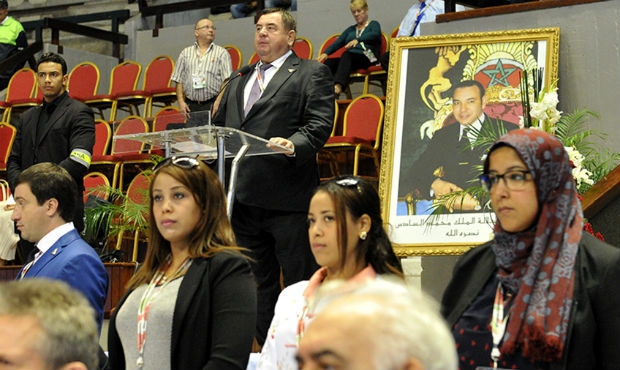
[[363, 235]]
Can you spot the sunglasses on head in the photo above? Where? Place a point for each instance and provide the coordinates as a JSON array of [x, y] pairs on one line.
[[349, 182], [183, 162]]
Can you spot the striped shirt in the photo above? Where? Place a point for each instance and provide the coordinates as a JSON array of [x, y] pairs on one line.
[[212, 67]]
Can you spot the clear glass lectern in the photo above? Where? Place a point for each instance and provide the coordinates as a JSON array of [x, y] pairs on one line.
[[206, 142]]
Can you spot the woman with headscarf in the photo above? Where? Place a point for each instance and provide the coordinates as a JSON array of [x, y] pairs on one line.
[[542, 294]]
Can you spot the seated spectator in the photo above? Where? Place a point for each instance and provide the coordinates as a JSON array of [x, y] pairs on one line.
[[247, 8], [192, 303], [362, 42], [349, 242], [45, 324], [542, 294], [379, 325], [421, 11], [45, 196]]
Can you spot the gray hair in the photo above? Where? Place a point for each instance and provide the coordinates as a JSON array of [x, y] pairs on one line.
[[66, 318], [402, 322]]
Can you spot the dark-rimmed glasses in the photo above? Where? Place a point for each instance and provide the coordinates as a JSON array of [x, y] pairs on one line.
[[183, 162], [514, 179]]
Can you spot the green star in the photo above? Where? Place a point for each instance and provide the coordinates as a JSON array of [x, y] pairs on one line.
[[499, 75]]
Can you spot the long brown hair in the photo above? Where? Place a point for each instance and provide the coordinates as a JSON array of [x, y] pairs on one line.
[[213, 233]]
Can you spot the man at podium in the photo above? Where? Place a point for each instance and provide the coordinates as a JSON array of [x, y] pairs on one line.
[[289, 101]]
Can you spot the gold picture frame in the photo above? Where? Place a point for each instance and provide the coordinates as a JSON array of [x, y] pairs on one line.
[[421, 73]]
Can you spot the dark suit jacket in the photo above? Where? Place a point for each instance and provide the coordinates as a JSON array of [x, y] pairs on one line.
[[71, 126], [76, 263], [297, 104], [594, 326], [458, 161], [214, 317]]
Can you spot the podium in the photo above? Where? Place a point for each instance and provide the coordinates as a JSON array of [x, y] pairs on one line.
[[207, 142]]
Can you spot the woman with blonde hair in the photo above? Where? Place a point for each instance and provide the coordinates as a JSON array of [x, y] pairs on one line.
[[362, 42]]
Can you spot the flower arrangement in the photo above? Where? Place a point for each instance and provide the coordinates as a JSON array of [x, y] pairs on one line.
[[540, 111], [590, 163]]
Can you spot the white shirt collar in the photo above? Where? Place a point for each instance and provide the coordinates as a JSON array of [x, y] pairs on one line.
[[52, 237], [476, 125]]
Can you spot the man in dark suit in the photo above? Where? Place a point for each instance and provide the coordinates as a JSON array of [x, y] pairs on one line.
[[45, 196], [295, 110], [449, 162], [61, 130]]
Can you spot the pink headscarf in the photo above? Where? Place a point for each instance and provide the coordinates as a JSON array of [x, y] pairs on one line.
[[538, 264]]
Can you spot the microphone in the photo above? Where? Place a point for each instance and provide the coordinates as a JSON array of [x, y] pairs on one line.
[[241, 72]]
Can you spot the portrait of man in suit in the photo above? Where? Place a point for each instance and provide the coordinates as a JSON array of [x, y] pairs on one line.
[[449, 162], [288, 101]]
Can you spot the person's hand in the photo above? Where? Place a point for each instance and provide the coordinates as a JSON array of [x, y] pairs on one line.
[[283, 142], [351, 44], [461, 202], [184, 109], [321, 58], [441, 187]]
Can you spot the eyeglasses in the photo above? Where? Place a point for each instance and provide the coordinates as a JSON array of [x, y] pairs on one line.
[[186, 163], [206, 27], [514, 180]]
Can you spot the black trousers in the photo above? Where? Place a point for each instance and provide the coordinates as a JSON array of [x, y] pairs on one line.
[[277, 241], [199, 119], [342, 67]]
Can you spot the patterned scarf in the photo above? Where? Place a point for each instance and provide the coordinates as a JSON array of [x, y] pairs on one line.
[[538, 264]]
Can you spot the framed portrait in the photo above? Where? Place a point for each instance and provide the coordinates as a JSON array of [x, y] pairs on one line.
[[437, 88]]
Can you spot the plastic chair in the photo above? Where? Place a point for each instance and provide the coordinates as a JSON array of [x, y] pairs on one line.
[[7, 136], [21, 93], [374, 73], [123, 80], [326, 158], [83, 81], [327, 42], [303, 47], [254, 58], [96, 183], [155, 89], [363, 121], [126, 156], [137, 192], [166, 116], [394, 32], [236, 57]]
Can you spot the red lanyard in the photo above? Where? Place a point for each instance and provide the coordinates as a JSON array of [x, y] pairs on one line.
[[155, 286], [498, 323]]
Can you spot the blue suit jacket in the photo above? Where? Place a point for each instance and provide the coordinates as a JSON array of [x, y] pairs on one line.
[[75, 262]]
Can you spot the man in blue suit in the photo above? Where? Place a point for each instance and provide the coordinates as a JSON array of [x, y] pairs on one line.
[[45, 196], [293, 107]]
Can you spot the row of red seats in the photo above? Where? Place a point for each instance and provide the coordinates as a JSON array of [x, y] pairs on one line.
[[83, 84]]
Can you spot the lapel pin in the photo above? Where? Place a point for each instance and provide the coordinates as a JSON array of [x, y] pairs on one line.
[[54, 252], [291, 70]]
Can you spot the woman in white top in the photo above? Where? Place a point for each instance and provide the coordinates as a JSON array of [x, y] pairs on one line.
[[349, 242]]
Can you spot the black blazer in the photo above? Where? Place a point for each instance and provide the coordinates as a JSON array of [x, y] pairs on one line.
[[594, 326], [71, 126], [297, 104], [214, 317], [445, 150]]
